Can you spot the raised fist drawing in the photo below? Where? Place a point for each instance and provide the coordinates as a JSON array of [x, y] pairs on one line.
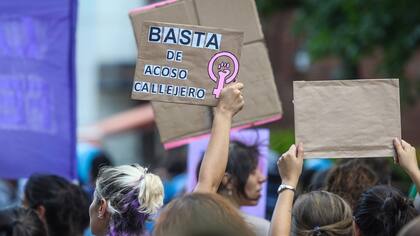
[[224, 70]]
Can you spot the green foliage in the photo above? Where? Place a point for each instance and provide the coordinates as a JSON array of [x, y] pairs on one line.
[[281, 140], [351, 29]]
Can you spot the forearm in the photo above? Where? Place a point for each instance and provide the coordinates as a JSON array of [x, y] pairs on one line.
[[215, 159], [282, 216], [415, 177]]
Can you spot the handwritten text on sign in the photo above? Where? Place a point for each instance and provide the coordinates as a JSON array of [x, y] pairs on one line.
[[187, 74]]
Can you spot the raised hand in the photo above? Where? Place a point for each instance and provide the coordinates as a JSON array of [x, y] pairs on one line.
[[290, 165], [406, 156], [215, 159], [231, 99]]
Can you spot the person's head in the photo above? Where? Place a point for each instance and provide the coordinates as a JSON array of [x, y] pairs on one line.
[[382, 211], [201, 214], [101, 160], [62, 205], [321, 213], [243, 179], [124, 198], [349, 180], [411, 229], [21, 222], [317, 180], [381, 167]]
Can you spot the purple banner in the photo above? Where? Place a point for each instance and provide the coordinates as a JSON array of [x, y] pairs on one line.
[[261, 137], [37, 88]]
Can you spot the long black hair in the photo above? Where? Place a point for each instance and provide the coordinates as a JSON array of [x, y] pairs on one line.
[[66, 205]]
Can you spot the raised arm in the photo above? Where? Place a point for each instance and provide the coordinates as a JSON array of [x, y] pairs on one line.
[[214, 162], [290, 167], [406, 158]]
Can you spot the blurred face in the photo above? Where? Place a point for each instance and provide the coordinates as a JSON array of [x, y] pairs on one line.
[[99, 218], [253, 188]]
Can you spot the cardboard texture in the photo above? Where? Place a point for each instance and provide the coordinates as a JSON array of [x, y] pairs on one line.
[[241, 15], [262, 104], [181, 121], [347, 118], [185, 64]]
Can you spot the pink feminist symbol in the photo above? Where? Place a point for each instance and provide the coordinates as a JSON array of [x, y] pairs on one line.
[[224, 71]]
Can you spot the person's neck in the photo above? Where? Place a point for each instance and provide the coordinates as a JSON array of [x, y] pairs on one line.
[[232, 199]]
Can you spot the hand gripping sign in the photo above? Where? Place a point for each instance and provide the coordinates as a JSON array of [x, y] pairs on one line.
[[175, 62], [226, 73]]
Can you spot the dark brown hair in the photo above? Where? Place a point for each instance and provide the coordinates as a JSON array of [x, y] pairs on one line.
[[320, 213], [383, 211], [21, 222], [201, 214], [242, 161], [66, 205], [349, 180]]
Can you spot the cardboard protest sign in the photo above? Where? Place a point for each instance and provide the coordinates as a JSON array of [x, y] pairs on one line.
[[178, 124], [251, 137], [37, 88], [184, 63], [347, 118]]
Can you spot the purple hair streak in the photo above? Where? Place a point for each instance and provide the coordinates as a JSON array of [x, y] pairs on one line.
[[129, 221]]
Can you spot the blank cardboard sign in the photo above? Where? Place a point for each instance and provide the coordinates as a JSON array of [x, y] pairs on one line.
[[347, 118], [237, 14]]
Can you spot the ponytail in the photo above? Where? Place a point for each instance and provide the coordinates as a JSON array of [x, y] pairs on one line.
[[132, 195], [321, 213], [383, 210], [150, 194]]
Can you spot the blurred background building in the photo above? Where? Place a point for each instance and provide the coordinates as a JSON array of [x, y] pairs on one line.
[[106, 53]]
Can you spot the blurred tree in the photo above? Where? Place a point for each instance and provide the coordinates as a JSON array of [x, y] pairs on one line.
[[281, 140], [266, 7], [352, 29]]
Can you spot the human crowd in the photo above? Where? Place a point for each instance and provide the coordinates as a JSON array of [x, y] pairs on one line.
[[355, 198]]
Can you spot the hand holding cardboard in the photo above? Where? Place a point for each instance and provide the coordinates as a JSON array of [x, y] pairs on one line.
[[347, 118]]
